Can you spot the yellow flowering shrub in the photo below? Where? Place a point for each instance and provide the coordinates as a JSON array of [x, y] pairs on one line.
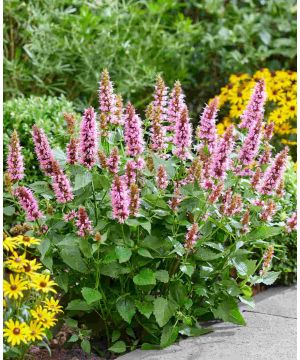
[[29, 310], [281, 104]]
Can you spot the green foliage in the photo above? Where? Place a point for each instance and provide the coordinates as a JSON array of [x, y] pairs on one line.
[[46, 112], [53, 47]]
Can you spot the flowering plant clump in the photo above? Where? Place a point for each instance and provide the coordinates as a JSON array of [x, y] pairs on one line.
[[160, 230], [280, 107], [30, 309]]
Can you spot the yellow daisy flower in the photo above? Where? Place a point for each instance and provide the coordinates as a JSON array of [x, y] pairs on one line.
[[284, 129], [278, 116], [236, 111], [14, 288], [290, 109], [15, 332], [275, 94], [44, 316], [43, 283], [16, 262], [27, 240], [10, 244], [36, 331], [31, 267], [53, 305]]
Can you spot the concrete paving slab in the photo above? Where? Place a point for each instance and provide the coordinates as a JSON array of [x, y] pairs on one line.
[[266, 336]]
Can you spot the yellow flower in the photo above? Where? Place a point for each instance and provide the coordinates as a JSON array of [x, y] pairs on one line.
[[16, 262], [290, 109], [14, 288], [31, 267], [278, 116], [36, 331], [236, 111], [44, 317], [288, 142], [27, 240], [52, 305], [275, 94], [43, 283], [284, 129], [16, 332], [10, 244]]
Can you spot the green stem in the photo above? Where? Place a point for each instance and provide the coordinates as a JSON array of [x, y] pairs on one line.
[[95, 204]]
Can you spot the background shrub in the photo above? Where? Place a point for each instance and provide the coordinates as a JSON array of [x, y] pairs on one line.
[[54, 47], [45, 111]]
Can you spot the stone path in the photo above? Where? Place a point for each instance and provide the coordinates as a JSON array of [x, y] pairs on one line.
[[270, 334]]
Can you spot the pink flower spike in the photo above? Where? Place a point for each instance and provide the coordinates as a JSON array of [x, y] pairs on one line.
[[70, 215], [120, 199], [191, 236], [61, 184], [255, 107], [207, 129], [107, 99], [83, 223], [273, 176], [88, 139], [250, 145], [161, 178], [183, 135], [268, 131], [113, 161], [28, 203], [15, 164], [72, 151], [133, 132], [175, 106], [42, 150], [291, 224]]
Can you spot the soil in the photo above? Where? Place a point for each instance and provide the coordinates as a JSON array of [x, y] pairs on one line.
[[60, 354]]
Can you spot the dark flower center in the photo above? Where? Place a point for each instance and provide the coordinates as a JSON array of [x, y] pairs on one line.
[[26, 238], [43, 284], [13, 287], [16, 331]]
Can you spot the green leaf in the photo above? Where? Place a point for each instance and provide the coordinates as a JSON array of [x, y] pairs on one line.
[[91, 295], [207, 254], [73, 338], [187, 269], [144, 307], [85, 248], [42, 188], [71, 323], [162, 275], [163, 310], [145, 253], [244, 267], [72, 257], [144, 223], [123, 253], [168, 336], [118, 347], [82, 180], [113, 269], [269, 278], [63, 281], [8, 210], [44, 246], [263, 232], [126, 308], [229, 311], [86, 346], [145, 277], [115, 335], [78, 304], [248, 300], [194, 331], [147, 346]]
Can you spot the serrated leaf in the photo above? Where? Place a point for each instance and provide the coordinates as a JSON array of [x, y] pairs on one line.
[[163, 310], [228, 310], [187, 269], [72, 257], [244, 267], [8, 210], [86, 346], [248, 301], [126, 308], [194, 331], [82, 180], [263, 232], [144, 307], [162, 275], [115, 335], [269, 278], [118, 347], [145, 253], [123, 253], [44, 246], [73, 338], [207, 254], [78, 304], [145, 277], [168, 336], [91, 295]]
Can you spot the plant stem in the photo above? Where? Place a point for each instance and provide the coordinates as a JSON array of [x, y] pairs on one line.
[[95, 204]]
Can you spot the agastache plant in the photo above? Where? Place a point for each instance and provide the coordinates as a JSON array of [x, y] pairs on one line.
[[147, 227], [15, 164]]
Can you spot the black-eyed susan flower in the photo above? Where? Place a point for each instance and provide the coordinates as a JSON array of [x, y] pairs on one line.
[[36, 331], [53, 305], [31, 267], [43, 283], [15, 287], [27, 240], [16, 262], [43, 316], [16, 332], [10, 243]]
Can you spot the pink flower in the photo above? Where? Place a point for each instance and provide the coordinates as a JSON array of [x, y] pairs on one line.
[[191, 236], [265, 156], [291, 223], [28, 203], [220, 158], [70, 215], [183, 135], [61, 184], [113, 161], [161, 178], [134, 199], [133, 132], [268, 211], [255, 108], [15, 165], [273, 176], [107, 99], [130, 172], [120, 199], [158, 116], [175, 106], [207, 128], [42, 150], [268, 131], [140, 163], [72, 151], [83, 223], [250, 145], [88, 139]]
